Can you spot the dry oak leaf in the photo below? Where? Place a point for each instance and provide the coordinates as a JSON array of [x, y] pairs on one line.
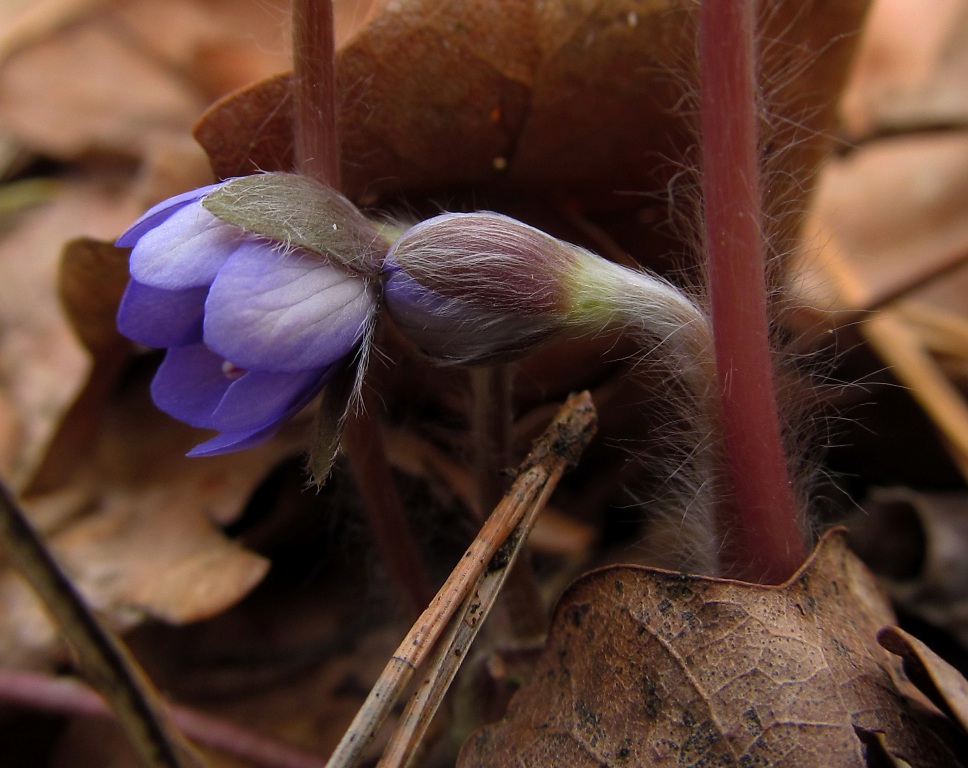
[[129, 516], [654, 668], [583, 96]]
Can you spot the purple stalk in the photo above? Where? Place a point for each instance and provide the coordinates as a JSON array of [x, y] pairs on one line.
[[314, 55], [70, 697], [317, 156], [761, 535]]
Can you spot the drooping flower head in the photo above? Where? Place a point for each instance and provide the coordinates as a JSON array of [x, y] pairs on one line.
[[253, 326], [264, 288]]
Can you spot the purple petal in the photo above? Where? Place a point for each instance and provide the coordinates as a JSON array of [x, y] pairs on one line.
[[284, 312], [159, 213], [405, 295], [184, 251], [190, 384], [245, 438], [234, 441], [258, 398], [159, 318]]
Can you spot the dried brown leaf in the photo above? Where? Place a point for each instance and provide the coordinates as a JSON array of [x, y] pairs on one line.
[[42, 365], [654, 668], [131, 518], [85, 87], [92, 277], [250, 130], [98, 76], [580, 95], [134, 523], [935, 677], [911, 69]]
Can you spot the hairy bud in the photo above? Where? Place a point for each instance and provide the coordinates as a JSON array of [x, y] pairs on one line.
[[477, 288], [480, 287]]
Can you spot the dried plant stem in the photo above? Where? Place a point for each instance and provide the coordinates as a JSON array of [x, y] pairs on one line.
[[761, 536], [491, 428], [102, 657], [71, 697], [389, 524], [900, 346], [451, 651], [314, 56], [558, 448]]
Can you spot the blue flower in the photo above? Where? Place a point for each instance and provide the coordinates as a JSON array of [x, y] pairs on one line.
[[253, 327]]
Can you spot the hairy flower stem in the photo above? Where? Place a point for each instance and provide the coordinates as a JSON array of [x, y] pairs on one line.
[[317, 156], [761, 535], [671, 331], [315, 114], [387, 519]]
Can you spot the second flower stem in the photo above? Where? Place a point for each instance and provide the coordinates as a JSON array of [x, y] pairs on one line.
[[761, 535], [314, 84]]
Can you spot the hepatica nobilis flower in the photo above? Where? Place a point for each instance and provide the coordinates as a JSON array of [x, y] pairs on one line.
[[265, 287], [254, 324]]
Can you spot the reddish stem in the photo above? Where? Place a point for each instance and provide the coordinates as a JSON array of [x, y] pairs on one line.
[[314, 83], [388, 520], [70, 697], [317, 155], [765, 543]]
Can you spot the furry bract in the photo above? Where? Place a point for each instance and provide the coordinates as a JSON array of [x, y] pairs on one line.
[[253, 327]]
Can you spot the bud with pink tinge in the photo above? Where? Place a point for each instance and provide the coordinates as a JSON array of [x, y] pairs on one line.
[[476, 288]]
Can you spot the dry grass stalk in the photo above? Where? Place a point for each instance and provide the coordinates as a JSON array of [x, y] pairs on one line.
[[558, 448]]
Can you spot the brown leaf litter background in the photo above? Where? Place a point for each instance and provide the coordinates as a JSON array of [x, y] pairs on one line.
[[570, 115]]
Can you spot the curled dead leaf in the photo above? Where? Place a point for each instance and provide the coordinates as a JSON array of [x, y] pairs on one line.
[[250, 130], [935, 677], [653, 668], [917, 543]]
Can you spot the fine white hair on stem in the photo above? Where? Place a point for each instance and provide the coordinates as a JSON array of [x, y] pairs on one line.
[[482, 287], [673, 337]]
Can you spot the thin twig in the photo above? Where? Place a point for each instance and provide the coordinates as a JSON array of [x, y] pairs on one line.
[[491, 429], [67, 696], [557, 448], [101, 656], [443, 667]]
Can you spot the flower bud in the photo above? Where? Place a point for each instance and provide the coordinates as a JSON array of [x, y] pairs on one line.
[[477, 288], [481, 287]]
